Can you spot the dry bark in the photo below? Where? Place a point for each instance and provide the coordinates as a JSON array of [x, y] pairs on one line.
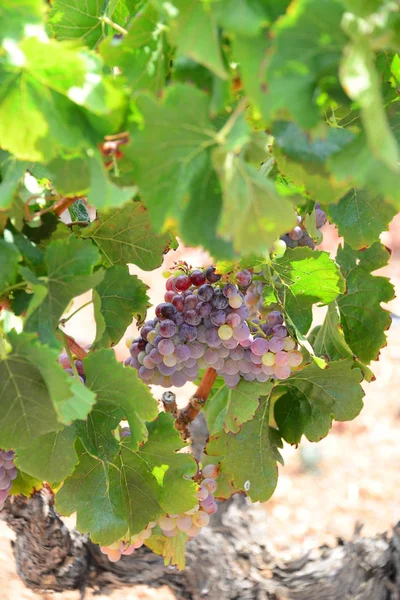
[[227, 561]]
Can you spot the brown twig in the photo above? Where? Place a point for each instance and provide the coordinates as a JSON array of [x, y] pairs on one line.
[[189, 413], [74, 346], [169, 402]]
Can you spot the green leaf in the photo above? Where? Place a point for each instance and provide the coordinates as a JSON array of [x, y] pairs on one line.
[[15, 16], [70, 265], [9, 259], [12, 172], [330, 339], [228, 409], [72, 20], [142, 55], [363, 319], [58, 90], [198, 226], [193, 29], [249, 457], [103, 194], [125, 235], [32, 385], [251, 54], [117, 299], [25, 484], [171, 148], [361, 217], [356, 166], [253, 214], [69, 176], [362, 83], [313, 397], [304, 160], [94, 491], [119, 388], [125, 494], [50, 457], [174, 550], [308, 47], [247, 18], [308, 276]]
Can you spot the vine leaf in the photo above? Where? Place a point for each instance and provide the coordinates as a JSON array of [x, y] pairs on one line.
[[25, 484], [249, 457], [51, 457], [194, 31], [363, 319], [308, 47], [171, 148], [32, 385], [124, 494], [70, 264], [308, 276], [9, 259], [103, 194], [303, 160], [119, 389], [118, 298], [142, 54], [12, 172], [253, 214], [15, 17], [228, 409], [311, 398], [361, 217], [246, 19], [125, 235]]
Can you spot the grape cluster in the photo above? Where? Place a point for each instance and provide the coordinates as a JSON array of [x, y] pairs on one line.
[[298, 236], [8, 473], [64, 361], [204, 323], [190, 522]]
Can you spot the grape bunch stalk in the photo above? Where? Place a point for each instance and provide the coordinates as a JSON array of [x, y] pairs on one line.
[[204, 323], [190, 522], [8, 472]]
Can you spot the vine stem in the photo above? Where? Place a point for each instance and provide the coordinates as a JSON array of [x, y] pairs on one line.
[[115, 26], [197, 401], [73, 346], [63, 321]]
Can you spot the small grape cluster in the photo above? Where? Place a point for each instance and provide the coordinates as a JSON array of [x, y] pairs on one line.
[[65, 362], [190, 522], [299, 236], [8, 473], [204, 323]]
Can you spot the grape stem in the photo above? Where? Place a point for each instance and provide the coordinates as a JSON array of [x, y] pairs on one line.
[[257, 327], [63, 321], [73, 346], [197, 401]]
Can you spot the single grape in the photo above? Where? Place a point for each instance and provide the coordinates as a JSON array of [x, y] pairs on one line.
[[155, 356], [63, 360], [182, 352], [166, 346], [193, 531], [229, 290], [279, 248], [212, 338], [178, 379], [191, 302], [295, 358], [218, 317], [289, 344], [232, 381], [184, 522], [281, 358], [268, 359], [244, 278], [296, 233], [282, 372], [274, 318], [235, 301], [145, 374], [202, 493], [196, 349], [320, 217], [148, 363], [191, 317], [231, 367], [236, 353], [165, 310], [170, 360], [181, 283], [168, 283], [231, 343], [233, 319], [219, 301], [225, 332], [187, 332], [259, 346], [279, 331], [197, 278], [276, 344], [167, 328], [178, 302], [205, 292], [200, 519], [166, 523], [204, 309], [211, 275], [242, 332]]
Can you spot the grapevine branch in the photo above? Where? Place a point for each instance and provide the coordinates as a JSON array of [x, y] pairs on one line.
[[189, 413], [74, 347]]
